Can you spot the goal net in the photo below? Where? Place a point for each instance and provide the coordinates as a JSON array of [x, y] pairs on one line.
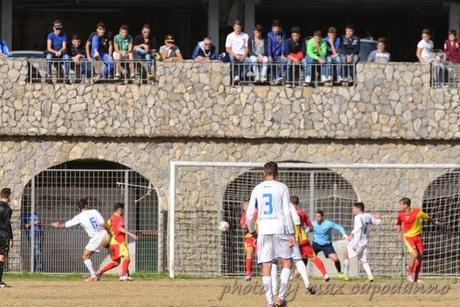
[[202, 194]]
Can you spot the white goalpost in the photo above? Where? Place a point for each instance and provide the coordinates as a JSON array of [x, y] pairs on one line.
[[203, 193]]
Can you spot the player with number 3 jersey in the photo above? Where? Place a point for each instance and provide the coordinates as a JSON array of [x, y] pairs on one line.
[[275, 229], [93, 223]]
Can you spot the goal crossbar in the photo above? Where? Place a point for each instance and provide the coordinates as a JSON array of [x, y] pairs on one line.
[[175, 164]]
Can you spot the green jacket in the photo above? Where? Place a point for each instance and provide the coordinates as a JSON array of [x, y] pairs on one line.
[[313, 52]]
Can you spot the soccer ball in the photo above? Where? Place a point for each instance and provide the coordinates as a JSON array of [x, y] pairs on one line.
[[223, 226]]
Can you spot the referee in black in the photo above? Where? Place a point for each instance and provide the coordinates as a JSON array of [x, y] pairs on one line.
[[6, 233]]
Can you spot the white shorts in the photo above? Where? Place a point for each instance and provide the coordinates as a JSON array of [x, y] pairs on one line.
[[296, 255], [96, 241], [361, 252], [273, 247]]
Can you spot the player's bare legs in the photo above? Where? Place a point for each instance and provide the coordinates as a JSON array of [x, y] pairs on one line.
[[336, 260], [249, 254], [414, 266], [86, 257]]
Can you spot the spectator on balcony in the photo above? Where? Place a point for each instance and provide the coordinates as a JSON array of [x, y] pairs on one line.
[[56, 48], [77, 55], [236, 45], [334, 44], [145, 48], [258, 55], [276, 40], [169, 51], [294, 52], [205, 51], [316, 53], [425, 53], [452, 48], [349, 54], [99, 47], [123, 50], [4, 51], [381, 55]]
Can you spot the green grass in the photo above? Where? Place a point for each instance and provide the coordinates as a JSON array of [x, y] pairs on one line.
[[79, 276]]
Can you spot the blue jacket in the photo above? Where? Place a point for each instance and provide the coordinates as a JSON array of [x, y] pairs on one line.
[[4, 48], [322, 232], [200, 51], [337, 45], [276, 43]]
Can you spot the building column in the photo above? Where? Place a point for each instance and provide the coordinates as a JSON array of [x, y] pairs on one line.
[[7, 22], [249, 15], [213, 21], [454, 16]]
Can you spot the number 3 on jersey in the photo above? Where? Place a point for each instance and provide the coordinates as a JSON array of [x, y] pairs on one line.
[[93, 223], [268, 205]]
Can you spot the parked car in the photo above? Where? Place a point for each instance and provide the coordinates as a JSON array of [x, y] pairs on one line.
[[367, 45], [35, 69]]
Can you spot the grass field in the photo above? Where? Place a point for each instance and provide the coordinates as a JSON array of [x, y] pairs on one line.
[[158, 290]]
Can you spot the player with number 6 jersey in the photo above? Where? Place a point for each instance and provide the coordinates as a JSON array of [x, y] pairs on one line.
[[93, 223], [275, 230]]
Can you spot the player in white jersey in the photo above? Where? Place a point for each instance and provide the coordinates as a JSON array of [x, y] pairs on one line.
[[93, 223], [275, 230], [359, 237]]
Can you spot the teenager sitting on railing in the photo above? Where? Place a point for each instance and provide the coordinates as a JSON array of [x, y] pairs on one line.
[[294, 52], [236, 45], [99, 47], [452, 48], [276, 40], [77, 55], [333, 44], [316, 53], [145, 48], [258, 55], [56, 48], [349, 54], [123, 50]]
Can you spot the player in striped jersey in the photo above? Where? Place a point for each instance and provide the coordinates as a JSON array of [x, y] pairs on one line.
[[275, 228], [409, 228]]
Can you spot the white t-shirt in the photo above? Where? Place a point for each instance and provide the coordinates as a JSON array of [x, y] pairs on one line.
[[361, 229], [276, 214], [91, 220], [238, 43], [427, 50]]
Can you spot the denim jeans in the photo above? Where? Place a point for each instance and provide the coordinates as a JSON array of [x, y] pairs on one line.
[[240, 68], [259, 69], [330, 67], [108, 64], [308, 65], [347, 69], [140, 53], [52, 59], [291, 69], [82, 68], [278, 68]]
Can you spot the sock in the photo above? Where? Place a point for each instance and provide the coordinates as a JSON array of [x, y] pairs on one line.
[[1, 270], [367, 268], [124, 267], [248, 266], [319, 265], [346, 266], [410, 267], [89, 266], [274, 275], [108, 267], [303, 272], [267, 281], [284, 282], [337, 266], [417, 267]]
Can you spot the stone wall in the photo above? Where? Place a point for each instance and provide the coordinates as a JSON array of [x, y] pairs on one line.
[[392, 101], [391, 116]]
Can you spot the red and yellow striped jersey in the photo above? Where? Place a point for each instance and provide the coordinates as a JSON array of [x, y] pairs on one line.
[[412, 222], [244, 226]]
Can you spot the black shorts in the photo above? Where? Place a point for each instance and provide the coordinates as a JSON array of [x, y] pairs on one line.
[[4, 246], [326, 249]]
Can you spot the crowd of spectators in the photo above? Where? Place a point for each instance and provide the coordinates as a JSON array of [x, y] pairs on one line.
[[276, 56]]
